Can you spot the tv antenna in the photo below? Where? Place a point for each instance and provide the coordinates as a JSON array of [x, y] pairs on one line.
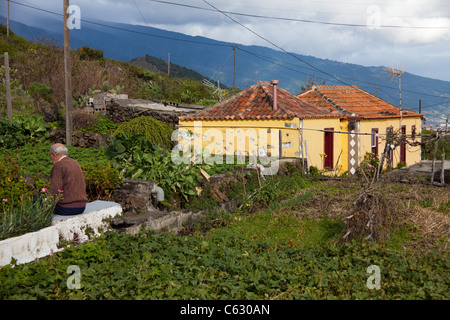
[[398, 74], [212, 85]]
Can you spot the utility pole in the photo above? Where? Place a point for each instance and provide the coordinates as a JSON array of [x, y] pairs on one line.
[[234, 65], [168, 65], [7, 21], [8, 87], [67, 75]]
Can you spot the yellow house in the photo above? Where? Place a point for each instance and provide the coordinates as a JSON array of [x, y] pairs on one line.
[[329, 127], [369, 119], [264, 120]]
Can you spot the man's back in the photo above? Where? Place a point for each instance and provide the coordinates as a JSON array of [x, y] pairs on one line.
[[66, 175]]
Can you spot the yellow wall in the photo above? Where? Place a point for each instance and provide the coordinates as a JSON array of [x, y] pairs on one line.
[[412, 153], [228, 136], [315, 141], [248, 132], [225, 137]]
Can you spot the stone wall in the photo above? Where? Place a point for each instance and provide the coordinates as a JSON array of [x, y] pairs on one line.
[[119, 114], [81, 139]]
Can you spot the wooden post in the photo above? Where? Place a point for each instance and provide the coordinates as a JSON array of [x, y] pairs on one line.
[[306, 155], [434, 158], [381, 162], [443, 168], [67, 76], [300, 143], [8, 87]]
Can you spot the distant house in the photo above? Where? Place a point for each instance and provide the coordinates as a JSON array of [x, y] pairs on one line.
[[370, 118]]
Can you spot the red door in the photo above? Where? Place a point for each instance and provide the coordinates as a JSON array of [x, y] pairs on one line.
[[403, 146], [328, 148]]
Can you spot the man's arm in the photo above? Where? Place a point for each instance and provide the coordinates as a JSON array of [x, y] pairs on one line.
[[56, 181]]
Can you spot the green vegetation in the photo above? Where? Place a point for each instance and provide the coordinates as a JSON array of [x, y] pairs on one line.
[[226, 266], [28, 215], [428, 149], [155, 131], [35, 159], [37, 69], [274, 247], [22, 129]]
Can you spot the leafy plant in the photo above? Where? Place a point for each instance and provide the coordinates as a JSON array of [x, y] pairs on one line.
[[369, 165], [138, 158], [30, 215], [13, 187], [101, 181], [22, 129], [155, 131]]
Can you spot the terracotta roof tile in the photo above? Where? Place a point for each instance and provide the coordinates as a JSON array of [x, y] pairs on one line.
[[256, 102], [351, 101]]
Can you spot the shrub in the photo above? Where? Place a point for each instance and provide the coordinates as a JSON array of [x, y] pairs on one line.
[[22, 129], [101, 181], [155, 131], [82, 120], [103, 125], [30, 215], [369, 165], [138, 158], [13, 187]]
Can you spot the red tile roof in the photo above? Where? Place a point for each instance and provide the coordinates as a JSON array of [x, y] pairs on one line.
[[351, 101], [256, 102]]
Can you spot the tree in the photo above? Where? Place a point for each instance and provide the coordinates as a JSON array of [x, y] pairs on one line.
[[39, 91]]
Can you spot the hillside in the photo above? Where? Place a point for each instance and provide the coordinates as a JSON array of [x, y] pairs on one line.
[[37, 77], [158, 65], [214, 59]]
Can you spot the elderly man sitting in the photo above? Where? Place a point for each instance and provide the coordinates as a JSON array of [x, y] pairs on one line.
[[66, 178]]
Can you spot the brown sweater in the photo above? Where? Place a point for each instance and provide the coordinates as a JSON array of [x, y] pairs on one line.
[[66, 175]]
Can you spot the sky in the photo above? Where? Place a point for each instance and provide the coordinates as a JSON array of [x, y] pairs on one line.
[[409, 34]]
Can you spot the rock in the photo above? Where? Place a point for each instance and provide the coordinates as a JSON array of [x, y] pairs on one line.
[[135, 196]]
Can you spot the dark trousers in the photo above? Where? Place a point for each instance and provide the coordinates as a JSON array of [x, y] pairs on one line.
[[67, 211]]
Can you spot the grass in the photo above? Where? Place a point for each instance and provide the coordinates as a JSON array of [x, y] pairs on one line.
[[283, 230], [36, 159]]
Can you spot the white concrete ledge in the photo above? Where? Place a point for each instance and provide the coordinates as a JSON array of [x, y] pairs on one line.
[[69, 229]]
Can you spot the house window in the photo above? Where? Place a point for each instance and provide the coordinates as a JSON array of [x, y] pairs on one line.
[[374, 141], [413, 132]]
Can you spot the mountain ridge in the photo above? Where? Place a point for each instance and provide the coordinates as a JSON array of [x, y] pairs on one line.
[[214, 60]]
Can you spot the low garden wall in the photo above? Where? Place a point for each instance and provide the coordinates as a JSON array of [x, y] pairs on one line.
[[64, 230]]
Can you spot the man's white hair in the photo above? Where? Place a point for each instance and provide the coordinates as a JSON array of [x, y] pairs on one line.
[[59, 149]]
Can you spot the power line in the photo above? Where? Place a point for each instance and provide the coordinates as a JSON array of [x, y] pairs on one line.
[[298, 20], [265, 58], [124, 29], [275, 45]]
